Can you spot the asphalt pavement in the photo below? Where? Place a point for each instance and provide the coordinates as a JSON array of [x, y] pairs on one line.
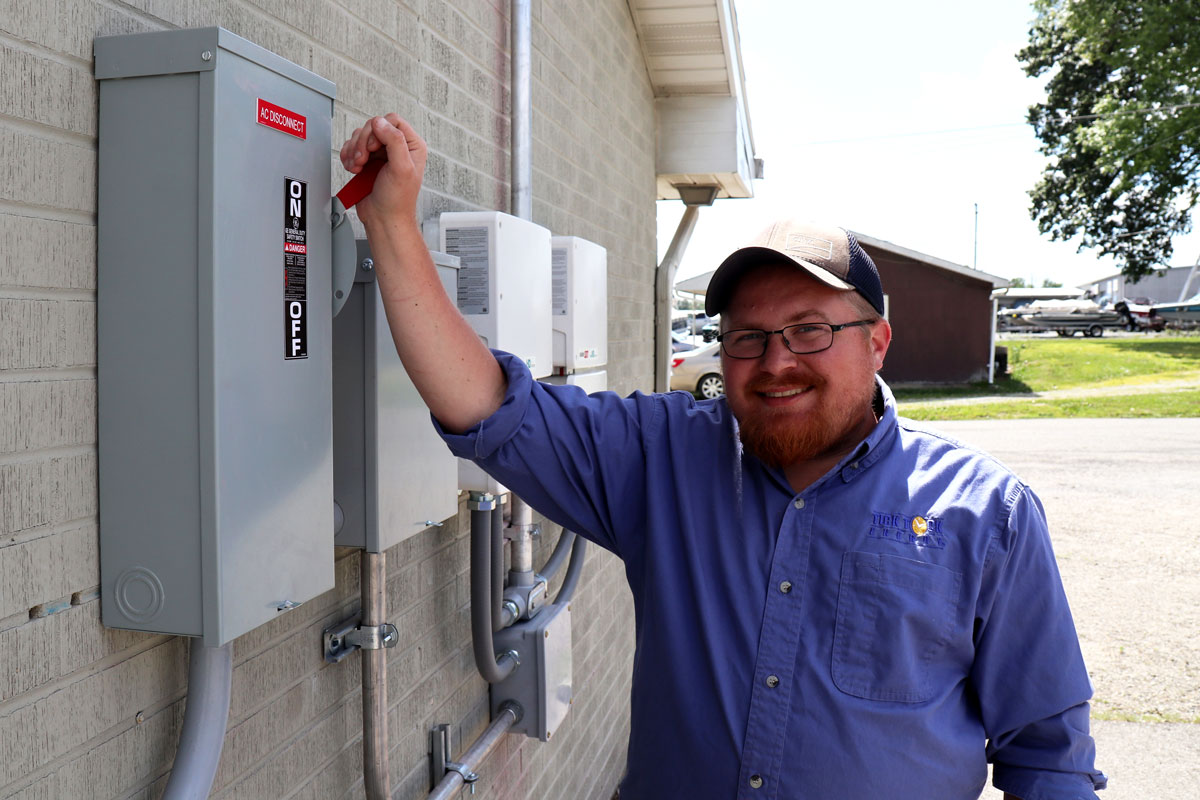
[[1121, 498]]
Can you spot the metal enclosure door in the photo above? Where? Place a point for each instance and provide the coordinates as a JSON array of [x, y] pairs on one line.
[[393, 475], [216, 487], [273, 416]]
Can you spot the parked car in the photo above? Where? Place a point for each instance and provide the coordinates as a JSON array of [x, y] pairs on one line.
[[680, 343], [699, 372], [711, 331]]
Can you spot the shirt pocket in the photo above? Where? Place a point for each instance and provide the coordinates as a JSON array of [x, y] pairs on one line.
[[894, 617]]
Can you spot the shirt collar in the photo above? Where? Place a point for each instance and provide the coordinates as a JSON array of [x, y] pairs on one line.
[[872, 448]]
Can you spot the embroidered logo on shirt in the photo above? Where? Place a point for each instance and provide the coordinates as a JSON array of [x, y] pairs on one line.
[[915, 530]]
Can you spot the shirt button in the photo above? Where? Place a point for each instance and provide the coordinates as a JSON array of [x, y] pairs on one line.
[[756, 781], [772, 681], [799, 502], [785, 587], [854, 465]]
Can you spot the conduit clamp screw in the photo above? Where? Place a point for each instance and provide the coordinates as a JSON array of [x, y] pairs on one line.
[[349, 635], [372, 637], [468, 776], [206, 55], [367, 264]]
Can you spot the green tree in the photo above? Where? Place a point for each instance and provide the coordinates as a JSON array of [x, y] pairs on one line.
[[1121, 124], [1049, 284], [1017, 283]]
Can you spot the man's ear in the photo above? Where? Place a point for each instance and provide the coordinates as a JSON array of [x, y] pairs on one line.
[[881, 337]]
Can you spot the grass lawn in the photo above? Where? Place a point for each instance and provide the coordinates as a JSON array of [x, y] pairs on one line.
[[1150, 404], [1045, 364], [1041, 365]]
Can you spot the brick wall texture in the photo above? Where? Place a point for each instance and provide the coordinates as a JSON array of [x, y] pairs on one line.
[[90, 712]]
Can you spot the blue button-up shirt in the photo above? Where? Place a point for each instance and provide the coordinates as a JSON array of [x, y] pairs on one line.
[[882, 634]]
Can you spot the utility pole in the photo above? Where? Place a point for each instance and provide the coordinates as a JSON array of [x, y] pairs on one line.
[[975, 265]]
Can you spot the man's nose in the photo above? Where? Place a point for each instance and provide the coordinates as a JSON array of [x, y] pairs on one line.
[[777, 358]]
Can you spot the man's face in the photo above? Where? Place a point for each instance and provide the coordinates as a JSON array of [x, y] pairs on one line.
[[797, 407]]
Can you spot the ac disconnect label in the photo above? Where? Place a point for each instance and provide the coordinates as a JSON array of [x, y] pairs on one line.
[[295, 269], [281, 119], [558, 272], [471, 247]]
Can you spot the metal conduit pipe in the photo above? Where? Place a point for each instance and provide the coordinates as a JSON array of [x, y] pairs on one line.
[[210, 675], [374, 680], [520, 548], [664, 282], [499, 619], [574, 570], [490, 668], [561, 550], [521, 65], [480, 749]]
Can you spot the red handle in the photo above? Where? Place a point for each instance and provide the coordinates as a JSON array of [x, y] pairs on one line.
[[361, 184]]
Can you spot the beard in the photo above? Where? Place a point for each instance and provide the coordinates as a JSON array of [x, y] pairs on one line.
[[780, 437]]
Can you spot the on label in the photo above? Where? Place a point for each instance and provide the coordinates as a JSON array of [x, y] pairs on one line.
[[295, 269]]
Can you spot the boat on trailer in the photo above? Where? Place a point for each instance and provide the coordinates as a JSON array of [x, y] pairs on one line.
[[1067, 317], [1185, 312]]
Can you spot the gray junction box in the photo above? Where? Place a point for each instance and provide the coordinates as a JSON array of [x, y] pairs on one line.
[[214, 333], [393, 476], [541, 684]]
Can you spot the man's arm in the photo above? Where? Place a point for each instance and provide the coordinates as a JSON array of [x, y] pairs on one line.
[[1029, 673], [456, 375]]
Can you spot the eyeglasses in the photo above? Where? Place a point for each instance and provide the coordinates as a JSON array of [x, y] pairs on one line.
[[808, 337]]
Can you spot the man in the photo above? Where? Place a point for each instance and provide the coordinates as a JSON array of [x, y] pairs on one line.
[[830, 602]]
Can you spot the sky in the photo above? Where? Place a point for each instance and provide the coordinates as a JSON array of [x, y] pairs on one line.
[[895, 120]]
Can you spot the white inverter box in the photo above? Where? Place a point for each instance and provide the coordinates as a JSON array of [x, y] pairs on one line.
[[503, 282], [504, 292], [579, 271]]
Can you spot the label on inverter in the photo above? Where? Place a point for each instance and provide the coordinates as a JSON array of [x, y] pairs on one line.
[[558, 273], [471, 247], [295, 269]]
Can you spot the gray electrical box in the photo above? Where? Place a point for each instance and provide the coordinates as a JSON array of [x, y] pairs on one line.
[[393, 475], [541, 684], [214, 333]]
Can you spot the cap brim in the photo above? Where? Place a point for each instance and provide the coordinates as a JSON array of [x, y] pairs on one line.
[[732, 269]]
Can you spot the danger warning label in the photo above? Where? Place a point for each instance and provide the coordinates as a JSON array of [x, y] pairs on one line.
[[295, 269]]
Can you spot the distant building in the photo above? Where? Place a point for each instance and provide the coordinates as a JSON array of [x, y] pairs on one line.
[[1163, 286], [941, 315]]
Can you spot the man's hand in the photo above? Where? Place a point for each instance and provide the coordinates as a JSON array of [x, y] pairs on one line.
[[457, 376], [398, 185]]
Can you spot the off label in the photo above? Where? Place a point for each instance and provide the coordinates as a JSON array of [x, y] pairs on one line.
[[295, 269]]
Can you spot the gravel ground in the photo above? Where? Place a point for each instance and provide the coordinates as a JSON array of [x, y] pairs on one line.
[[1121, 498]]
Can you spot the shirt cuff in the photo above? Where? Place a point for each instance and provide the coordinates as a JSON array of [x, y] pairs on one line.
[[1038, 784], [487, 436]]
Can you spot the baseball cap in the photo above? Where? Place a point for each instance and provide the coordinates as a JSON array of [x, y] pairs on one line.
[[829, 254]]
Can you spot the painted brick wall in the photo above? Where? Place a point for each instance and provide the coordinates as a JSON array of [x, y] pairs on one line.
[[88, 712]]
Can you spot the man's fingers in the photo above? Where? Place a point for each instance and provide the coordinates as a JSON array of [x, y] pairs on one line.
[[355, 151], [377, 134], [410, 133], [385, 131]]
